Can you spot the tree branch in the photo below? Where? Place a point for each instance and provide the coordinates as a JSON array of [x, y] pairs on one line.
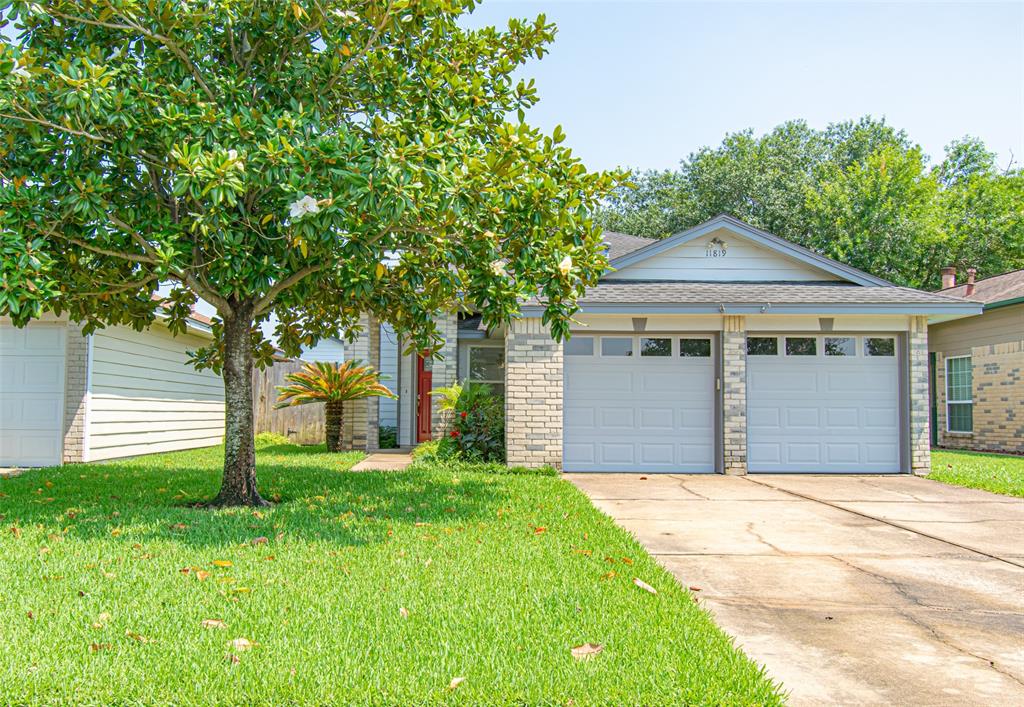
[[63, 128], [268, 299]]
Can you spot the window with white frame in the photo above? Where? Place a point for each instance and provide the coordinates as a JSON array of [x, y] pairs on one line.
[[959, 394], [487, 365]]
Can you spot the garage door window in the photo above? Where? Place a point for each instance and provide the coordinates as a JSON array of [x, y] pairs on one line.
[[879, 346], [840, 346], [695, 348], [580, 346], [959, 394], [655, 347], [617, 346], [762, 346], [801, 346]]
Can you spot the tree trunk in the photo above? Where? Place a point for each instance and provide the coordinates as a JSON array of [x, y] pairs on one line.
[[238, 487], [333, 416]]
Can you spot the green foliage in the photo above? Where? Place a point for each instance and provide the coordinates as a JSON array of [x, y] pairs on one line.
[[387, 437], [270, 439], [459, 551], [326, 382], [860, 192], [476, 426], [426, 450]]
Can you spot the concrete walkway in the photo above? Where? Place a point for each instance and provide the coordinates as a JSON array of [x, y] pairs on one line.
[[851, 590], [385, 461]]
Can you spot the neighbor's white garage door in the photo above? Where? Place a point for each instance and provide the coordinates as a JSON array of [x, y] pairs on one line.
[[823, 404], [31, 394], [639, 403]]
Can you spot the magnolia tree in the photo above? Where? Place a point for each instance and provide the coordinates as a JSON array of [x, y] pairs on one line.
[[307, 160]]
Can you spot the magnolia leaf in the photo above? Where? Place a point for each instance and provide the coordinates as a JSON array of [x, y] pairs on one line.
[[455, 683], [240, 645], [586, 651], [222, 563], [213, 623], [644, 585], [404, 612]]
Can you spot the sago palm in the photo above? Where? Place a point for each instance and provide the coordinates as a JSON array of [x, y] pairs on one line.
[[333, 384]]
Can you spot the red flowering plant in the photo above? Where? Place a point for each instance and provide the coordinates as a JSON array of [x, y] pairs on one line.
[[476, 425]]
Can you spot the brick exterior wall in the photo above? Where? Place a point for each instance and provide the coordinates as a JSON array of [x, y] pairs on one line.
[[533, 395], [445, 369], [917, 371], [998, 382], [76, 397], [734, 395]]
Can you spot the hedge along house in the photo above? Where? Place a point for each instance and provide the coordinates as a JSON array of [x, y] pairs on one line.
[[69, 397], [720, 349], [977, 367]]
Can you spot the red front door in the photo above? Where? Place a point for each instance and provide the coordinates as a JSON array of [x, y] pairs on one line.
[[424, 377]]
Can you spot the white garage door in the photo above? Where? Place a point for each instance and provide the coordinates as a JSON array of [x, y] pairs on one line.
[[823, 404], [31, 394], [639, 403]]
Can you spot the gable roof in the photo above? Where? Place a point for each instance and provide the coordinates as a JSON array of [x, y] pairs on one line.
[[620, 244], [992, 290], [763, 238]]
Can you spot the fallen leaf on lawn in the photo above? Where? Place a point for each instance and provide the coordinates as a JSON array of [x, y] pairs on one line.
[[178, 526], [428, 562], [581, 551], [258, 514], [30, 614], [97, 647], [261, 540], [627, 560], [421, 524], [232, 658], [455, 683], [109, 575], [586, 651], [539, 530], [137, 636], [214, 623], [694, 589], [241, 590], [43, 550], [201, 575], [241, 644], [222, 563], [115, 532], [268, 558], [404, 612], [644, 585], [609, 574]]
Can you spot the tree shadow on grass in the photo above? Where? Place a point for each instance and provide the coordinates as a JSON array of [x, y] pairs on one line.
[[316, 499]]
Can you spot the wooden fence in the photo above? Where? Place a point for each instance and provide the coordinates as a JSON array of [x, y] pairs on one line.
[[302, 424]]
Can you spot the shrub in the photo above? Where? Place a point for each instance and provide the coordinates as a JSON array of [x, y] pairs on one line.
[[269, 439], [387, 437], [426, 450], [477, 426]]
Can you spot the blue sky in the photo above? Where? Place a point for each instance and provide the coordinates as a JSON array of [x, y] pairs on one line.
[[642, 84]]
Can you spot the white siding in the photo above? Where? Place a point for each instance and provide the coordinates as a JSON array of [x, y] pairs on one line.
[[146, 398], [743, 261], [389, 367], [329, 350]]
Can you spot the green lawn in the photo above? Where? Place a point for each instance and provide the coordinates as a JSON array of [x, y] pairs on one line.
[[999, 473], [107, 574]]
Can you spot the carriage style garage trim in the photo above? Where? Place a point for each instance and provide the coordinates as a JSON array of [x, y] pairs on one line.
[[727, 349]]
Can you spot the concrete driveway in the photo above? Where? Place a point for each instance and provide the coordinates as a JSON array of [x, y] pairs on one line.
[[850, 589]]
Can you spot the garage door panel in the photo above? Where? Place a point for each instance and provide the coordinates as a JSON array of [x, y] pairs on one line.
[[823, 414], [31, 394], [642, 413]]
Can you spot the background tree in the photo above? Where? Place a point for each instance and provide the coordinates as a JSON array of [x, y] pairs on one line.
[[858, 191], [306, 159], [332, 384]]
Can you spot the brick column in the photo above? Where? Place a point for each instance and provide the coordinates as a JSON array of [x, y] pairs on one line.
[[917, 368], [533, 395], [76, 394], [373, 404], [445, 369], [734, 395]]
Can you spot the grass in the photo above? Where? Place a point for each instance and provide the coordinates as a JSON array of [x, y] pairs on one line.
[[999, 473], [107, 574]]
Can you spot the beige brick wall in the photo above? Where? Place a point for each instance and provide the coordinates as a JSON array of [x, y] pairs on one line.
[[76, 399], [917, 370], [998, 381], [734, 395], [533, 395]]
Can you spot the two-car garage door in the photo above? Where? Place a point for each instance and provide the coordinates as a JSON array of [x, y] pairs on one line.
[[815, 403]]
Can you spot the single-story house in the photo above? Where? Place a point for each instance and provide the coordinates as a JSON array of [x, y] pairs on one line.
[[719, 349], [977, 367], [69, 397]]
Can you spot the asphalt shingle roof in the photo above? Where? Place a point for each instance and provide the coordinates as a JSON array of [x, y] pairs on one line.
[[992, 289], [620, 244]]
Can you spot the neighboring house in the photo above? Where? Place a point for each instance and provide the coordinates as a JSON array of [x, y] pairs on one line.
[[978, 367], [115, 393], [720, 349]]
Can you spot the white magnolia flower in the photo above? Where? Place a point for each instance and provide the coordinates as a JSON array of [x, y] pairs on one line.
[[566, 265], [498, 268], [346, 14], [233, 154], [21, 72], [304, 205]]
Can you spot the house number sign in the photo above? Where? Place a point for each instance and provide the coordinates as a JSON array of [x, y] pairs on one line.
[[716, 248]]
